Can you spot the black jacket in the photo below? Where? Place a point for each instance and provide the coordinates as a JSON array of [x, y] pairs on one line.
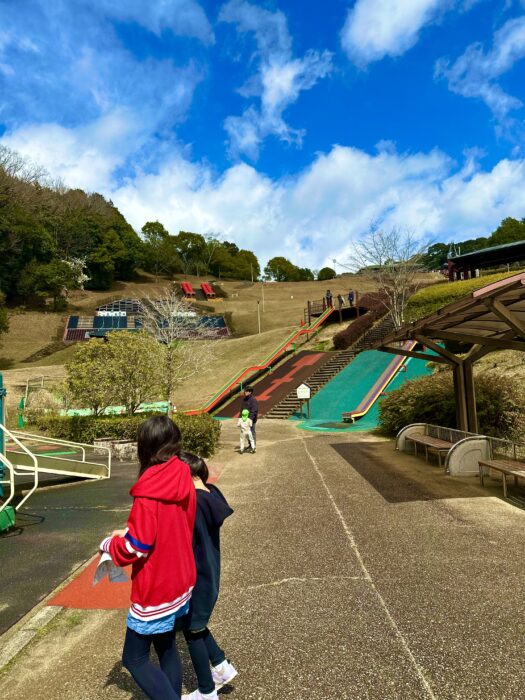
[[212, 511], [251, 403]]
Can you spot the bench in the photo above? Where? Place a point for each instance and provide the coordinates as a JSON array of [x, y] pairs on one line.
[[430, 444], [507, 467]]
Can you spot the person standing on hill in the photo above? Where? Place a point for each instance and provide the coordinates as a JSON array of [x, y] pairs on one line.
[[329, 298], [351, 298], [251, 404]]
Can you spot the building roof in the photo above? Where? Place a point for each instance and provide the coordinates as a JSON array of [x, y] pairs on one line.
[[498, 254]]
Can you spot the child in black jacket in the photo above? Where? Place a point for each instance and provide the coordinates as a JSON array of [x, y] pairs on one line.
[[212, 511]]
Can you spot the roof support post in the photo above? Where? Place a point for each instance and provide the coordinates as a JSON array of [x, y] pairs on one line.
[[470, 392], [461, 399]]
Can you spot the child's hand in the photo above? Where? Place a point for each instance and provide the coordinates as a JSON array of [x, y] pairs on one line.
[[118, 533]]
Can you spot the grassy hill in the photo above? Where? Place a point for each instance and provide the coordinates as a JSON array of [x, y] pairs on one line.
[[33, 346]]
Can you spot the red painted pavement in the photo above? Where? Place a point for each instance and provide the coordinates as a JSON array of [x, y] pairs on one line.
[[82, 594], [306, 361]]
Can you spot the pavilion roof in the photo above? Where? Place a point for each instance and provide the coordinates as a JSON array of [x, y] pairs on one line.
[[491, 317]]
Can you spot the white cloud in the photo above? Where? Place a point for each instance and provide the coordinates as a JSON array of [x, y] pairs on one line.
[[182, 17], [278, 82], [476, 72], [377, 28], [311, 218], [321, 212]]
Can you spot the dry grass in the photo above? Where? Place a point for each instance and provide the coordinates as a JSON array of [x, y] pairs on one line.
[[232, 355], [28, 333], [511, 363]]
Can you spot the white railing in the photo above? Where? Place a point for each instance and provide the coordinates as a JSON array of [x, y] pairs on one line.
[[11, 481], [79, 447], [19, 470]]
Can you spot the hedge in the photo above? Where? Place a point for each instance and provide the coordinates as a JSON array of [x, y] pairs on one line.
[[500, 404], [200, 434], [436, 296], [376, 310]]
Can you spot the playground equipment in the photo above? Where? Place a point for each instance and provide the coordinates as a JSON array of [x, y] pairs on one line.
[[378, 386], [248, 374], [25, 457], [207, 290], [187, 290]]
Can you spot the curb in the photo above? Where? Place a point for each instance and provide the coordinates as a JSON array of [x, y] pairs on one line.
[[15, 639], [23, 636]]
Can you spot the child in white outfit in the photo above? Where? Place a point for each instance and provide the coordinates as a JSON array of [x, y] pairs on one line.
[[245, 424]]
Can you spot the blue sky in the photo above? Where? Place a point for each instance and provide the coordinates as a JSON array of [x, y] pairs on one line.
[[289, 127]]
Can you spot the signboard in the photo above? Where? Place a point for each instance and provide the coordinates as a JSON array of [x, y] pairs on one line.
[[304, 392]]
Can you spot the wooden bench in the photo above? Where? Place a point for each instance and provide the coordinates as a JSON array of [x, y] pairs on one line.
[[431, 444], [507, 467]]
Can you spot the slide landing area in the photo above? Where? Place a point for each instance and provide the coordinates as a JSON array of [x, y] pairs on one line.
[[347, 389]]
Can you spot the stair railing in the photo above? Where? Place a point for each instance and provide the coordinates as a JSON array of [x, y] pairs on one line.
[[21, 470]]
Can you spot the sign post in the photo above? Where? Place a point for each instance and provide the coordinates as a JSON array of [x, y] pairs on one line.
[[304, 393]]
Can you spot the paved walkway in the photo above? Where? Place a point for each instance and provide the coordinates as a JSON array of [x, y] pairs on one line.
[[350, 571]]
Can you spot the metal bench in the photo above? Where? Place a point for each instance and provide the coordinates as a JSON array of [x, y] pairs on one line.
[[436, 439]]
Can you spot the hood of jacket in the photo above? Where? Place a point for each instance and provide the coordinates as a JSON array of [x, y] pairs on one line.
[[170, 482], [213, 506]]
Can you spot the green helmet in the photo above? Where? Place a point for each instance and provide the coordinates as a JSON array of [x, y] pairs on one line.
[[245, 413]]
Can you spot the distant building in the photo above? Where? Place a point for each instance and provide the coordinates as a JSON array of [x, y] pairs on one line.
[[464, 267]]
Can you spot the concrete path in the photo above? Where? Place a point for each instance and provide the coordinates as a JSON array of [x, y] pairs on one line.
[[349, 571]]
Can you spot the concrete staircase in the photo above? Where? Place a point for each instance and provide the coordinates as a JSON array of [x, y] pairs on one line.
[[336, 362]]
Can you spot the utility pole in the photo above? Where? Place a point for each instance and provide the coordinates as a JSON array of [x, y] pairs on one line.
[[259, 315], [262, 286]]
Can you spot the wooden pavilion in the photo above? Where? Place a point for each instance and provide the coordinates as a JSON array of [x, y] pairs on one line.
[[491, 318]]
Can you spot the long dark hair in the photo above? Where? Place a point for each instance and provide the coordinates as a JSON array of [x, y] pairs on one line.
[[158, 440], [197, 465]]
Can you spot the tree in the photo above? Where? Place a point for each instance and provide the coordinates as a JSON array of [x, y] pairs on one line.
[[509, 231], [160, 256], [173, 322], [325, 273], [393, 260], [211, 245], [190, 248], [4, 319], [134, 368], [53, 279], [88, 382], [281, 270]]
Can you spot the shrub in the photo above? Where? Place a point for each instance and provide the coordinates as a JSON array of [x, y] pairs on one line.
[[41, 403], [430, 299], [200, 434], [430, 399], [376, 310]]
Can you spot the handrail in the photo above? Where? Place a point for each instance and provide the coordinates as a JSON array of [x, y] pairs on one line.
[[9, 434], [268, 360], [11, 481], [67, 443]]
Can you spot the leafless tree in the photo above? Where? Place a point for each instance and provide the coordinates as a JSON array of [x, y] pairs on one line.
[[212, 242], [189, 344], [392, 259]]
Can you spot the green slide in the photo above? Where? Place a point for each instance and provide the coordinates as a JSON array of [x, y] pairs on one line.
[[349, 387]]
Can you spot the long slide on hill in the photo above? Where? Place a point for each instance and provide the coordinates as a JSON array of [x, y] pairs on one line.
[[250, 373]]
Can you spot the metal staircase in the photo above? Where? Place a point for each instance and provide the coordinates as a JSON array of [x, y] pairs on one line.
[[336, 362]]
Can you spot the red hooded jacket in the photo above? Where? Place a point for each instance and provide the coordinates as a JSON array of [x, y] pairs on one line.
[[158, 542]]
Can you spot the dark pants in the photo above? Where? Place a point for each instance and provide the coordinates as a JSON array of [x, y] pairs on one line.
[[253, 433], [164, 683], [204, 650]]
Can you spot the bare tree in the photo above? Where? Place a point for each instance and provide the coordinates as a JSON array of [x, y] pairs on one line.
[[189, 343], [393, 260], [212, 242]]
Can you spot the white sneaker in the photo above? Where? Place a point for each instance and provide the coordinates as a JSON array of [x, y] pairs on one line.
[[223, 673], [197, 695]]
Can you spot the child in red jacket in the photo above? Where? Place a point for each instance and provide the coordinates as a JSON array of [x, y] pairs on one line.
[[158, 544]]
